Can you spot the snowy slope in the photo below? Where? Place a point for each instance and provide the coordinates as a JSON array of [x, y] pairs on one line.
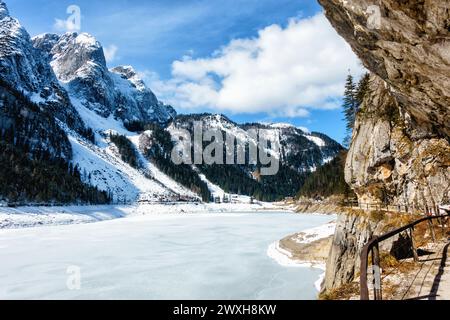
[[103, 167], [155, 173]]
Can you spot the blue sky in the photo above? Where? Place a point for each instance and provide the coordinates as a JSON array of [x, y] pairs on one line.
[[199, 55]]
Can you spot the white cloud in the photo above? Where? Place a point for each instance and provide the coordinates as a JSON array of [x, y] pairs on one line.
[[65, 25], [283, 71], [110, 53]]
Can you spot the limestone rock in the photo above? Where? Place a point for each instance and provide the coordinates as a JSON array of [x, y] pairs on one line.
[[400, 151]]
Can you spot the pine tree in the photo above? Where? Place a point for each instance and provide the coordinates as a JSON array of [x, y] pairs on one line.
[[361, 90], [350, 106]]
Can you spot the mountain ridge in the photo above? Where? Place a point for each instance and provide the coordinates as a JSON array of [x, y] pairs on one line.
[[67, 76]]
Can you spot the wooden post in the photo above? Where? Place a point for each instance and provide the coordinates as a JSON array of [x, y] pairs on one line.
[[431, 226], [376, 270], [413, 244]]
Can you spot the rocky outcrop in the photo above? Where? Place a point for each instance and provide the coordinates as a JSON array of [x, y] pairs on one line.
[[394, 158], [353, 230], [400, 151], [315, 252], [407, 44]]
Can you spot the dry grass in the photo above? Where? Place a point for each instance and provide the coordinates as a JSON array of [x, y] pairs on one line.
[[388, 261], [397, 220], [344, 292], [389, 264], [377, 216]]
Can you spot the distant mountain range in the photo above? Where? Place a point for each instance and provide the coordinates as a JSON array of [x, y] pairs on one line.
[[112, 134]]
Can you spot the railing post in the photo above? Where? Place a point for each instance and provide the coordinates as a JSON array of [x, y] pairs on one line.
[[442, 219], [413, 244], [373, 247], [376, 270], [431, 226]]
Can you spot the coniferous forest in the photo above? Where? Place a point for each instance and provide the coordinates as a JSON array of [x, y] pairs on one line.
[[233, 179], [327, 181], [126, 149], [36, 177], [160, 155], [35, 157]]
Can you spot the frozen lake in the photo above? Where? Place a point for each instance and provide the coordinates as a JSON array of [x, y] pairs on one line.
[[199, 256]]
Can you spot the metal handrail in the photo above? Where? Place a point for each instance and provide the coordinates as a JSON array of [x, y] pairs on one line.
[[373, 246]]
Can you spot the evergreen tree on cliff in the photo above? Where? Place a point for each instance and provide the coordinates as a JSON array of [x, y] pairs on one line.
[[353, 98], [361, 90], [350, 107]]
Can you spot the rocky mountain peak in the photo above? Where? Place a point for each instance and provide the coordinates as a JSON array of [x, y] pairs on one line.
[[78, 61], [24, 68], [45, 42], [78, 55], [128, 73]]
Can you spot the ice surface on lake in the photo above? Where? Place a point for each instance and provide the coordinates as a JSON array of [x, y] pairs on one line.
[[199, 256]]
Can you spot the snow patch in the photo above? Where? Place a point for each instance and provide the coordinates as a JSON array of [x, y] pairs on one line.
[[281, 125], [318, 141], [86, 39], [318, 233]]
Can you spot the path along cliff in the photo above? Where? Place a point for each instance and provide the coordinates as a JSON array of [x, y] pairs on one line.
[[400, 151]]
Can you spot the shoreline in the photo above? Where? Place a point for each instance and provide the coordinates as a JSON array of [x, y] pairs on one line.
[[306, 249], [30, 217]]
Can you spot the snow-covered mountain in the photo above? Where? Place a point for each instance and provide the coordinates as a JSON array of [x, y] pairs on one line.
[[73, 91], [79, 63], [58, 96], [302, 151]]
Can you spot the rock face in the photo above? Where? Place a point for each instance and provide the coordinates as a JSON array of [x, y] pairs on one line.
[[23, 67], [407, 44], [394, 158], [353, 231], [400, 152], [139, 97]]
